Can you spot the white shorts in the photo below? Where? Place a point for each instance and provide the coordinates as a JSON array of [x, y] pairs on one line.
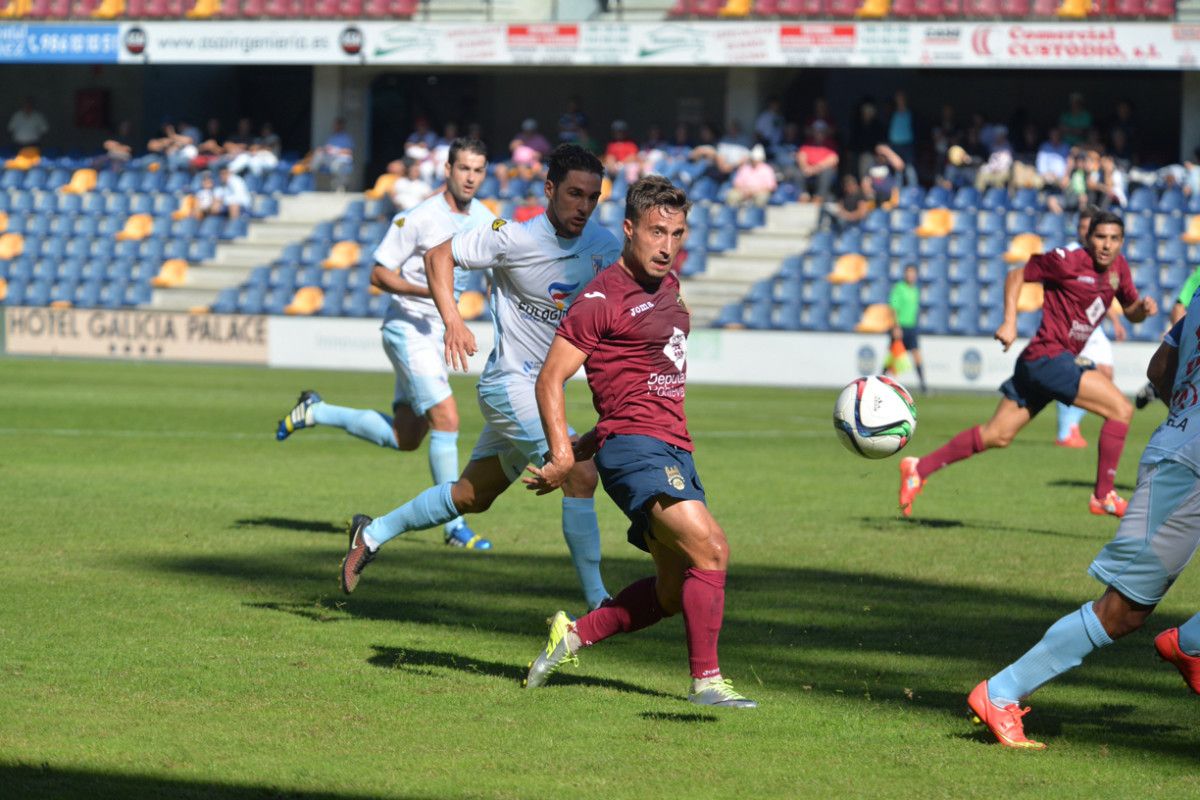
[[1157, 536], [416, 349], [512, 428], [1098, 349]]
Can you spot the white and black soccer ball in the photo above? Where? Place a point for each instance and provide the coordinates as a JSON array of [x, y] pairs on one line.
[[874, 416]]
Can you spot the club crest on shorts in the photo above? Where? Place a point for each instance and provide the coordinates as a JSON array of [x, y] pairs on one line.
[[675, 478]]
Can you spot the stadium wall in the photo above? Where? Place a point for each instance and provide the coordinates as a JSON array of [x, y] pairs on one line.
[[748, 358]]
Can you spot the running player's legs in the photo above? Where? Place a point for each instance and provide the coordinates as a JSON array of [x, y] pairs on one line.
[[1007, 421], [1098, 394], [422, 398]]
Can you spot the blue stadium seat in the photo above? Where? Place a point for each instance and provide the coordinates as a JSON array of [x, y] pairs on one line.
[[1168, 225], [1138, 224], [202, 250], [844, 317], [875, 221], [821, 242], [87, 294], [962, 246], [816, 265], [965, 222], [16, 293], [250, 300], [936, 197], [904, 220], [610, 212], [994, 199], [35, 179], [284, 277], [141, 204], [37, 293], [815, 291], [992, 271], [1016, 222], [308, 276], [991, 246], [750, 217], [963, 320], [966, 199], [874, 291], [152, 182], [1024, 200], [905, 247], [1171, 201], [106, 181], [934, 319], [235, 228], [322, 231], [721, 240], [1171, 250], [1027, 323], [911, 198], [46, 203], [70, 204], [849, 241], [1139, 248], [1050, 224], [313, 252], [226, 302], [1171, 275], [1141, 199], [176, 248], [303, 182], [874, 244], [137, 294], [989, 223], [275, 183], [935, 247], [371, 232], [11, 179], [877, 266], [695, 262]]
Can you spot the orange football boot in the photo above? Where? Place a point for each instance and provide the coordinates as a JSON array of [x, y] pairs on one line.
[[1167, 645], [910, 484], [1004, 723], [1074, 439], [1112, 504]]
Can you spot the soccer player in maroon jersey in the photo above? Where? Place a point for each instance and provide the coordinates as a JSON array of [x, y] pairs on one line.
[[1080, 286], [629, 329]]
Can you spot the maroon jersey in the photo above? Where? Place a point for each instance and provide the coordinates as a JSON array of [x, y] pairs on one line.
[[1077, 298], [636, 345]]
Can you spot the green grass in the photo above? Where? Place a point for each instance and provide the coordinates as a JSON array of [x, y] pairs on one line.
[[173, 625]]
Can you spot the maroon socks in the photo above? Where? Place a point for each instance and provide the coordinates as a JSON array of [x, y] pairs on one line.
[[703, 611], [636, 607], [1112, 442], [964, 445]]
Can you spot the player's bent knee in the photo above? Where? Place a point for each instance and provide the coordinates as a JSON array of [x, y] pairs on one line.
[[470, 500]]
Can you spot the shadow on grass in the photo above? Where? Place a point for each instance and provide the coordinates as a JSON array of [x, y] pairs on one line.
[[44, 781], [407, 658], [1069, 483], [286, 524], [933, 523], [911, 642], [664, 716]]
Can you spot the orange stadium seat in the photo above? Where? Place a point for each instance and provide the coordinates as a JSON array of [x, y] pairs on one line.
[[11, 245], [735, 8], [26, 158], [3, 221], [936, 223], [187, 207], [137, 227], [850, 268], [876, 318], [873, 9], [3, 289], [108, 9], [342, 255], [172, 273], [1074, 9], [1031, 297], [471, 304], [16, 9], [82, 182], [60, 303], [1192, 234], [203, 9], [382, 188], [307, 300], [1022, 246]]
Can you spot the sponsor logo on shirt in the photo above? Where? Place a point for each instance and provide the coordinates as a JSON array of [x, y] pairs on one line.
[[1081, 332], [670, 386], [1086, 279], [561, 292], [676, 348], [591, 295], [400, 222], [641, 309], [540, 313], [1095, 311]]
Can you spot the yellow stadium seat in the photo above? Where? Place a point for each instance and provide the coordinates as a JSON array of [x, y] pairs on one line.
[[11, 245], [735, 8], [874, 9], [187, 207], [302, 166], [307, 300], [1192, 234], [60, 304], [137, 227], [1031, 297], [850, 268], [82, 182], [173, 272], [3, 221], [204, 9], [199, 310], [876, 318], [374, 291], [153, 166], [492, 204], [3, 289], [1022, 246], [26, 158], [109, 9], [470, 304], [1074, 9], [605, 188], [936, 223], [382, 188], [342, 255], [16, 9]]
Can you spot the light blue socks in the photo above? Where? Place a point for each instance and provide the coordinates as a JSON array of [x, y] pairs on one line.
[[434, 506], [443, 464], [1189, 636], [1064, 647], [363, 423], [582, 532], [1068, 416]]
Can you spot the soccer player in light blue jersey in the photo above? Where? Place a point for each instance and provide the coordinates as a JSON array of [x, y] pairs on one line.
[[412, 334], [538, 268], [1157, 537]]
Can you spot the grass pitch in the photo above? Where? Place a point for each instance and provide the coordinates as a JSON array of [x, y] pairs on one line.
[[173, 625]]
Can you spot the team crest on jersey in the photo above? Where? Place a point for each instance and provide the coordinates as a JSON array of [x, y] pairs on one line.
[[400, 222], [683, 305], [676, 348], [1114, 280], [675, 478], [497, 224], [559, 292]]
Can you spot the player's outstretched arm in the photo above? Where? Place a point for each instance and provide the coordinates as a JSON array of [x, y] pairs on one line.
[[391, 282], [439, 270], [1006, 334], [1161, 370], [1138, 310], [563, 361]]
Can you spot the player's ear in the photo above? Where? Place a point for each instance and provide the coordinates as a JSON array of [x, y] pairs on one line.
[[549, 189]]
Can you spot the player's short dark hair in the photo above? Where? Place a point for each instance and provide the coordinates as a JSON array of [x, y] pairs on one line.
[[1105, 218], [466, 144], [654, 191], [1089, 211], [571, 157]]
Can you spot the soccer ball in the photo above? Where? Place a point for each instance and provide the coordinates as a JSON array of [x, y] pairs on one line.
[[874, 416]]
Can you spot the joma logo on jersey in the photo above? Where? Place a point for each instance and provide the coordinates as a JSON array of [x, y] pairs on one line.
[[560, 292]]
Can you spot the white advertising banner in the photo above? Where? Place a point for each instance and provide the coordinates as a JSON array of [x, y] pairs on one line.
[[1055, 45]]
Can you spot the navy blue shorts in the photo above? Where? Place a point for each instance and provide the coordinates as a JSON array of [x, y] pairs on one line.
[[1035, 383], [909, 337], [637, 469]]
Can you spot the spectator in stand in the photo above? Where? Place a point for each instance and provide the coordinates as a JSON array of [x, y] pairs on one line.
[[269, 140], [1052, 168], [117, 150], [851, 209], [882, 180], [817, 162], [945, 135], [821, 113], [681, 141], [902, 136], [755, 181], [206, 197], [1025, 174], [1123, 121], [572, 121], [1120, 147], [530, 137], [233, 196], [177, 146], [621, 153], [960, 168], [769, 125], [588, 142], [336, 156], [422, 134], [1075, 192], [655, 140], [1075, 121], [244, 135], [866, 132], [410, 189], [440, 155], [530, 208], [256, 159], [1117, 180], [212, 144], [734, 135], [27, 125], [784, 156], [997, 170]]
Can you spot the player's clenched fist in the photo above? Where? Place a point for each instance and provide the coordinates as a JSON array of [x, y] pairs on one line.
[[1006, 334]]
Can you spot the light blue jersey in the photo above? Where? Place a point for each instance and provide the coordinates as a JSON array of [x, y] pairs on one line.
[[535, 276], [1178, 438], [414, 233]]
